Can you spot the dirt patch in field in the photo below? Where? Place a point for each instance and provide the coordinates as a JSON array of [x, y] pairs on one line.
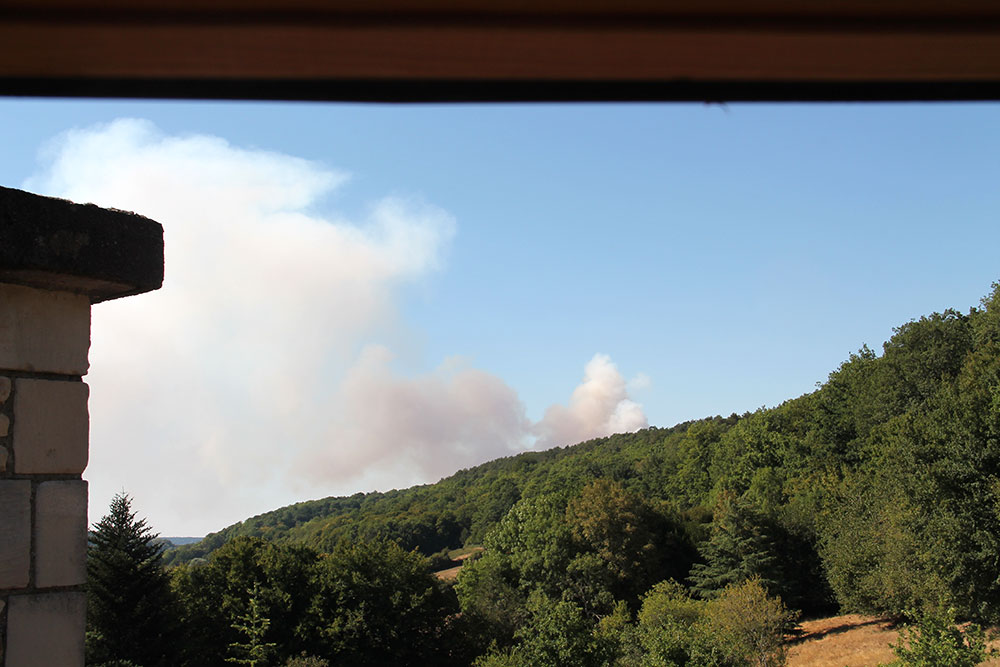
[[471, 552], [452, 572], [852, 640], [448, 575], [843, 641]]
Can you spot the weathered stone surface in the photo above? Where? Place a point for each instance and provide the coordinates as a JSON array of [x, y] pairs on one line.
[[5, 385], [61, 533], [15, 532], [4, 425], [43, 331], [51, 426], [46, 630], [58, 245]]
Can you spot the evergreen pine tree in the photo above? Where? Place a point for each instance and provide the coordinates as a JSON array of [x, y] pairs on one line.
[[129, 603], [739, 549], [253, 625]]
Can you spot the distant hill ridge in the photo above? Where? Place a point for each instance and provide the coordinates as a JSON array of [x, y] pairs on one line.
[[446, 515], [178, 541]]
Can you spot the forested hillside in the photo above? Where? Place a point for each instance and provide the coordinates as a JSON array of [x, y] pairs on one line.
[[885, 482], [462, 508], [878, 492]]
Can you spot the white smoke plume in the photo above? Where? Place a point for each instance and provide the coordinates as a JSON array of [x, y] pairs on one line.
[[251, 379], [599, 406], [425, 427]]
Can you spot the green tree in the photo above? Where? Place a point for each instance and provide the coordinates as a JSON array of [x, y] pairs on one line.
[[742, 626], [623, 532], [378, 604], [741, 547], [668, 624], [749, 625], [491, 506], [556, 634], [529, 550], [129, 604], [218, 594], [367, 603], [872, 549], [692, 481], [253, 625], [935, 641], [916, 521], [919, 357], [489, 592]]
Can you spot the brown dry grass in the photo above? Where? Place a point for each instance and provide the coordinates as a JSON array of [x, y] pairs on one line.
[[848, 641], [448, 575], [452, 572], [843, 641]]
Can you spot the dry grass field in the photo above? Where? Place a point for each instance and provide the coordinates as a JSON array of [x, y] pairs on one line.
[[848, 641], [459, 556], [843, 641], [448, 575]]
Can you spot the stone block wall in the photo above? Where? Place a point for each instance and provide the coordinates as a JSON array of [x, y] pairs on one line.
[[43, 499], [47, 287]]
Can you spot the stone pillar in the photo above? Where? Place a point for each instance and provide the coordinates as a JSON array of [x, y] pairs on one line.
[[56, 259]]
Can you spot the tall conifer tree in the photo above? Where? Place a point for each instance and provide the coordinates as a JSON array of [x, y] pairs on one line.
[[129, 604], [739, 549]]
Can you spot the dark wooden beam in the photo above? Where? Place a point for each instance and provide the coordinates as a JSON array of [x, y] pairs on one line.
[[454, 50]]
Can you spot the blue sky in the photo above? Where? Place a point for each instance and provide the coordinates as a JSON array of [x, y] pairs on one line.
[[695, 259]]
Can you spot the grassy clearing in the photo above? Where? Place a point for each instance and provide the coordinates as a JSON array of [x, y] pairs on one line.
[[463, 553], [852, 640], [457, 556], [843, 641]]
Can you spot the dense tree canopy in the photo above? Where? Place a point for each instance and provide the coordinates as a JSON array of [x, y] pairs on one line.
[[368, 603]]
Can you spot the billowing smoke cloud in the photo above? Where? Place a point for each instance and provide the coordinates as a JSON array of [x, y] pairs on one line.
[[599, 406], [424, 427], [251, 379], [428, 427]]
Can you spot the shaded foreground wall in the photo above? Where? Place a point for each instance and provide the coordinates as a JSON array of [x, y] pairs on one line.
[[56, 259]]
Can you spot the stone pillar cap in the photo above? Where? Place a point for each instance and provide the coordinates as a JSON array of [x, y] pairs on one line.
[[58, 245]]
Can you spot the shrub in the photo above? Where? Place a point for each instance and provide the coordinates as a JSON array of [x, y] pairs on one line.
[[748, 625], [667, 623], [935, 641]]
